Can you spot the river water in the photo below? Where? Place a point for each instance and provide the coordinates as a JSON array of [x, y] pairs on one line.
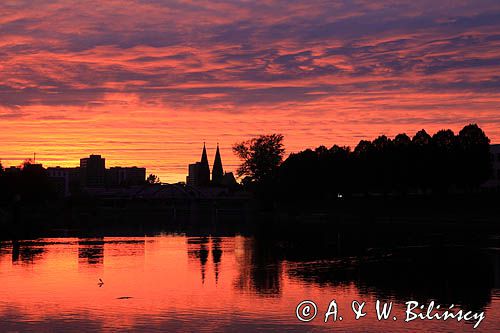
[[179, 282]]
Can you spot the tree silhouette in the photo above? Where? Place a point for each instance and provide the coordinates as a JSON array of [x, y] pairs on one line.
[[362, 166], [260, 157], [315, 174], [423, 164], [403, 162], [422, 160], [297, 175], [153, 179], [444, 160], [337, 162], [402, 141], [421, 138], [34, 183], [474, 162], [382, 164]]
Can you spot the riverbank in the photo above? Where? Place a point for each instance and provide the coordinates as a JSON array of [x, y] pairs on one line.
[[419, 214]]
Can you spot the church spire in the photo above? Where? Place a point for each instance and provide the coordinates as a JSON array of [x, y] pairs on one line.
[[204, 171], [217, 172], [204, 158]]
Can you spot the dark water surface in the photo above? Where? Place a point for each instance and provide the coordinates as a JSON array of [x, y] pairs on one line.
[[206, 283]]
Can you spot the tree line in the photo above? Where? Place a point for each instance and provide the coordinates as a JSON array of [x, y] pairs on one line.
[[422, 164], [30, 182]]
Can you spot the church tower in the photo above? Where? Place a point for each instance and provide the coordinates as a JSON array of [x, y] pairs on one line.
[[204, 169], [217, 172]]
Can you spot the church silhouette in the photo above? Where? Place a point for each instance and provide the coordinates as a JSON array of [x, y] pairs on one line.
[[199, 172]]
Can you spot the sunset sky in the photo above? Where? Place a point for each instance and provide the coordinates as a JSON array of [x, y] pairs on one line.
[[145, 82]]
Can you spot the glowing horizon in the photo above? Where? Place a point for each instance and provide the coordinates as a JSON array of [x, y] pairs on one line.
[[144, 83]]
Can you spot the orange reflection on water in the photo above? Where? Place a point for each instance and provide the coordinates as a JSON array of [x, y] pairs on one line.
[[176, 283]]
